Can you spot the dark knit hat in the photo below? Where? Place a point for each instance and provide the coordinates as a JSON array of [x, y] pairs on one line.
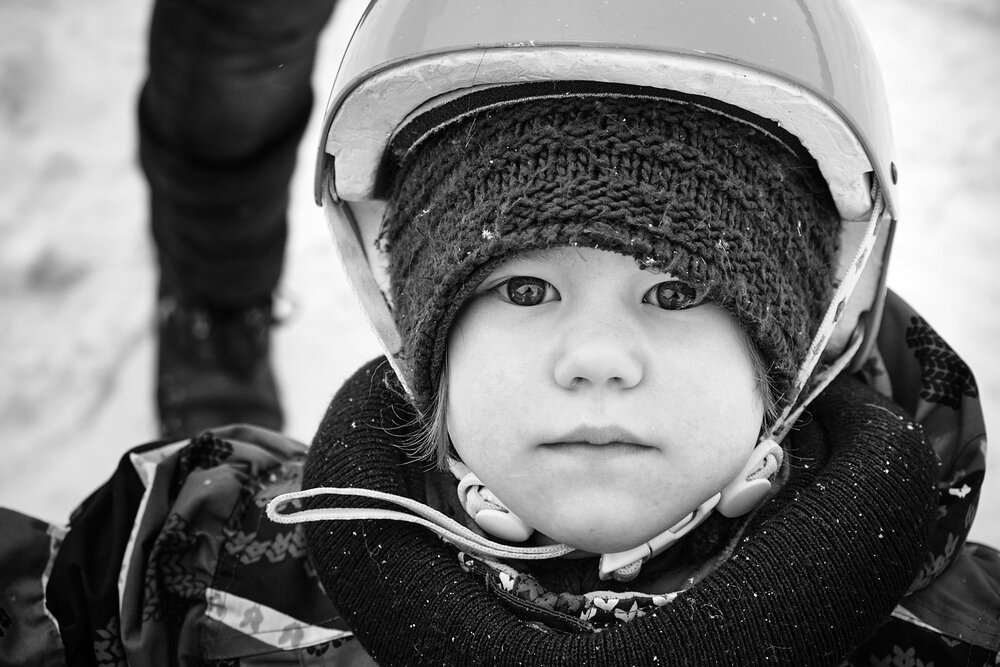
[[717, 201]]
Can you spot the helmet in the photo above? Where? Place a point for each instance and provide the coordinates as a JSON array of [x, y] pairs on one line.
[[804, 66]]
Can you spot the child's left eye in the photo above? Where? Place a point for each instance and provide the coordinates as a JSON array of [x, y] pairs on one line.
[[673, 295], [526, 291]]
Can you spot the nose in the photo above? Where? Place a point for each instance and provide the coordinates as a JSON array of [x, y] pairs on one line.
[[606, 358]]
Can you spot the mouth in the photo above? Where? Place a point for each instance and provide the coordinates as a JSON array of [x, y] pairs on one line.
[[606, 436]]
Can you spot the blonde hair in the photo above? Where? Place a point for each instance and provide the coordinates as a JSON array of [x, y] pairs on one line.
[[432, 443]]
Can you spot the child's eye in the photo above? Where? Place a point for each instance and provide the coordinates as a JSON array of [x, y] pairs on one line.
[[673, 295], [526, 291]]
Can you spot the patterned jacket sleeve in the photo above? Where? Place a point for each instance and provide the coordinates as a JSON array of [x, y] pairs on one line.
[[173, 559]]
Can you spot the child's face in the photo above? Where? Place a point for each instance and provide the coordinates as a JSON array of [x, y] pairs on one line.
[[592, 403]]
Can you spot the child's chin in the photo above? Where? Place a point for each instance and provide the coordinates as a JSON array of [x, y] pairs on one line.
[[605, 532]]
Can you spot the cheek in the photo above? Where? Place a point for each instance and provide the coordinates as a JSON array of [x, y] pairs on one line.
[[486, 380], [713, 390]]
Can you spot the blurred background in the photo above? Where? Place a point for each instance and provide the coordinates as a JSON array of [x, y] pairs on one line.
[[76, 274]]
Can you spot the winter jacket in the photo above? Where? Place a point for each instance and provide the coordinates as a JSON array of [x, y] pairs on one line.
[[173, 561]]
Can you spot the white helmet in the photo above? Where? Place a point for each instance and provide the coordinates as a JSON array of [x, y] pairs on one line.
[[803, 64]]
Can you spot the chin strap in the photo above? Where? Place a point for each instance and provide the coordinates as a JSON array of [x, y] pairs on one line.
[[743, 494], [422, 515], [810, 381], [625, 565], [746, 492]]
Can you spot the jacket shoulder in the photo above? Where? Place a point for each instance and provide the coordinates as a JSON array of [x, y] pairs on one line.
[[174, 555], [955, 620]]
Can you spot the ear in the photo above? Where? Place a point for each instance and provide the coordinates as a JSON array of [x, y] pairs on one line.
[[749, 489]]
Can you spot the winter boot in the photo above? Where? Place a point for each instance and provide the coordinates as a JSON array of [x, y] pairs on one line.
[[213, 367]]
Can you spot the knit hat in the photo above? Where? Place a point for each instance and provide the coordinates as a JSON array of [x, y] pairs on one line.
[[738, 211]]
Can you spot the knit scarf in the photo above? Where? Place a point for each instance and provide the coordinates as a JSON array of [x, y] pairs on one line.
[[816, 571]]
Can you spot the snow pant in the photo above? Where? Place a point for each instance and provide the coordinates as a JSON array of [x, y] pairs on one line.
[[227, 98]]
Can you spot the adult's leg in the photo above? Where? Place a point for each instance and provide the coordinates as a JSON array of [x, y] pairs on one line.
[[221, 114]]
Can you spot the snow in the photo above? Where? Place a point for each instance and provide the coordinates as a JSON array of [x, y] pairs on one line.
[[76, 278]]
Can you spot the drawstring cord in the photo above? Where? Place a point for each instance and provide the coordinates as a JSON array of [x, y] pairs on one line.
[[428, 517]]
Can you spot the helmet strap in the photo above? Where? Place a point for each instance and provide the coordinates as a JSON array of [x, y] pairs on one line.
[[810, 381], [745, 493]]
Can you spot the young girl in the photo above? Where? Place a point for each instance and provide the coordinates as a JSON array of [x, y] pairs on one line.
[[628, 266], [612, 266], [603, 300]]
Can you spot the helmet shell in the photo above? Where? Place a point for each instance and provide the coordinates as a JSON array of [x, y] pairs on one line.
[[403, 54], [805, 64]]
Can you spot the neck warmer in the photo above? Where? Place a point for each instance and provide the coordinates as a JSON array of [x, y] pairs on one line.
[[818, 568]]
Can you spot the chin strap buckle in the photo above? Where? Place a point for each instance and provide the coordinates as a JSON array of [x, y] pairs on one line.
[[751, 487], [744, 494], [625, 565], [486, 509]]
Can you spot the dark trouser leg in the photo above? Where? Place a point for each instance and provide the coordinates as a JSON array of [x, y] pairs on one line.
[[221, 115]]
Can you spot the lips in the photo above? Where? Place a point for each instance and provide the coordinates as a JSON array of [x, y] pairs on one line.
[[594, 435]]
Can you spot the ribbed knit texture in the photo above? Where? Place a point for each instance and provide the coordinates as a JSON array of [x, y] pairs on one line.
[[680, 188], [820, 566]]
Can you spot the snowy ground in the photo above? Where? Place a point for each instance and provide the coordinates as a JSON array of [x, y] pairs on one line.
[[75, 266]]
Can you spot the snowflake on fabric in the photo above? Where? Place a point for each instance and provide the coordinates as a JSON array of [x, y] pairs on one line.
[[946, 378], [204, 452], [287, 477]]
